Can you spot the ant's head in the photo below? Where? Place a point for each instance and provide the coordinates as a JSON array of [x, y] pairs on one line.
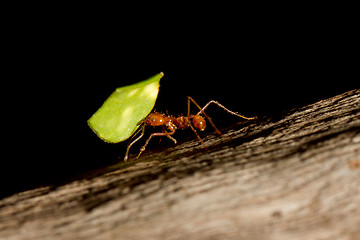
[[155, 119], [199, 122]]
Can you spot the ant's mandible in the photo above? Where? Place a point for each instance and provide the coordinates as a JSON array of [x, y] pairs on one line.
[[170, 124]]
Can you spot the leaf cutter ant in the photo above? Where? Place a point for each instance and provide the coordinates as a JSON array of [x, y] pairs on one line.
[[170, 124]]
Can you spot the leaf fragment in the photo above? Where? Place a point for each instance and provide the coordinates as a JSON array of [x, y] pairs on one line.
[[117, 119]]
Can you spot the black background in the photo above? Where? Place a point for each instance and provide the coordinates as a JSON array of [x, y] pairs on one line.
[[62, 70]]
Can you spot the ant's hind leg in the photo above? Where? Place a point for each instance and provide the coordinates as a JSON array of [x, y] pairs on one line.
[[160, 134], [223, 107], [190, 99], [202, 111], [198, 137]]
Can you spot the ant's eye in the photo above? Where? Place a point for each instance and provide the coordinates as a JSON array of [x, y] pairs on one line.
[[153, 119]]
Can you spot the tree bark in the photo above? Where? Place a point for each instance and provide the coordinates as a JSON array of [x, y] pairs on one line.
[[293, 178]]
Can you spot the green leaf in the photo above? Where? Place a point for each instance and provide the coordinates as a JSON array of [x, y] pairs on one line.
[[117, 119]]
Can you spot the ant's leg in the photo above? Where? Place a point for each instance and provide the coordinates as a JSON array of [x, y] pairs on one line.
[[160, 134], [131, 143], [190, 99], [171, 138], [198, 136], [220, 105]]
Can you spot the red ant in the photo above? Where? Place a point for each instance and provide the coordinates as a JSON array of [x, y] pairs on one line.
[[156, 119]]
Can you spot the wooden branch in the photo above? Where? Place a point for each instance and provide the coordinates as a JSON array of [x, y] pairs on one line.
[[295, 178]]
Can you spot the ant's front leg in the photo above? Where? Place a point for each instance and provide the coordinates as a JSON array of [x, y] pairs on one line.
[[170, 137], [161, 134], [142, 130]]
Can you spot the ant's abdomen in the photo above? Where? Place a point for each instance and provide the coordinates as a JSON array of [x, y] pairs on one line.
[[199, 122]]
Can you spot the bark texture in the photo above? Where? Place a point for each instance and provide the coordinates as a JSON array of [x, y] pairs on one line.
[[293, 178]]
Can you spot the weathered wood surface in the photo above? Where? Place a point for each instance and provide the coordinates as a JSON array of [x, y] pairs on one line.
[[293, 178]]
